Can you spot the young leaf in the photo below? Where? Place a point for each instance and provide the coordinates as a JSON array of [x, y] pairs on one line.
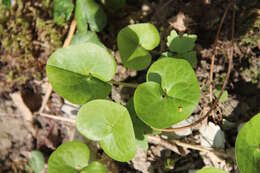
[[210, 170], [81, 16], [62, 11], [37, 162], [85, 38], [80, 72], [181, 44], [140, 128], [70, 157], [170, 94], [97, 18], [111, 125], [248, 146], [134, 41], [95, 167]]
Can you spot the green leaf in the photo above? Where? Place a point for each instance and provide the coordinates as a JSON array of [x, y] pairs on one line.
[[95, 167], [248, 146], [97, 18], [224, 96], [210, 170], [81, 16], [140, 128], [80, 72], [85, 38], [109, 123], [62, 11], [134, 41], [37, 162], [191, 57], [181, 44], [70, 157], [170, 94]]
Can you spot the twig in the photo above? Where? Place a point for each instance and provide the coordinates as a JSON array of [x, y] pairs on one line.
[[66, 43], [130, 85], [215, 102], [173, 143], [53, 117], [215, 52]]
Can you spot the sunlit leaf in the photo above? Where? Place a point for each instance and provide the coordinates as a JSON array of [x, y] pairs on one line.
[[111, 125], [248, 146]]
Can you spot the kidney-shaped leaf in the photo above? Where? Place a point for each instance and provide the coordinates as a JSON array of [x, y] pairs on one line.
[[94, 167], [170, 94], [210, 170], [181, 44], [248, 146], [79, 72], [134, 42], [70, 157], [109, 123]]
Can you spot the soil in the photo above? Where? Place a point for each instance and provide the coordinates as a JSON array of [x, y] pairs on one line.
[[28, 36]]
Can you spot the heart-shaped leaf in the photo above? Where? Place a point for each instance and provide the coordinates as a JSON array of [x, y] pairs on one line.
[[248, 146], [210, 170], [170, 94], [62, 11], [109, 123], [134, 42], [89, 11], [70, 157], [181, 44], [95, 167], [80, 72]]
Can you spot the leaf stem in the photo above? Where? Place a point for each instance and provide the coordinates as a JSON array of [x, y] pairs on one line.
[[124, 84]]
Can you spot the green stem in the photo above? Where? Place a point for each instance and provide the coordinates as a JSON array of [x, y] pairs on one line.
[[124, 84]]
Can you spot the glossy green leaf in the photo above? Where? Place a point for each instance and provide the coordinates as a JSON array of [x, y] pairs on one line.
[[80, 72], [85, 38], [170, 94], [191, 57], [210, 170], [81, 16], [97, 18], [37, 162], [248, 146], [181, 44], [140, 128], [94, 167], [134, 42], [70, 157], [62, 11], [109, 123]]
